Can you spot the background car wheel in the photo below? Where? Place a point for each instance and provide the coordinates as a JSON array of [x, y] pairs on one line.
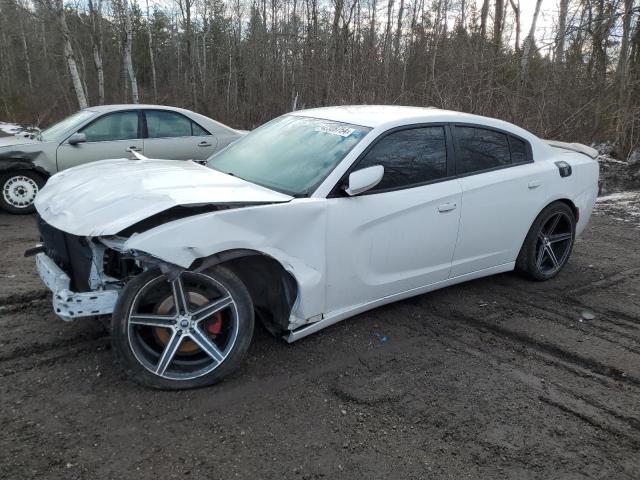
[[548, 244], [186, 332], [19, 190]]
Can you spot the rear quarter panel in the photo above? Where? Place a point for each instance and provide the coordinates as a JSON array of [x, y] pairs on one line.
[[581, 187]]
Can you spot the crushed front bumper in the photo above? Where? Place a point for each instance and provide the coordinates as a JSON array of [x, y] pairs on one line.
[[69, 305]]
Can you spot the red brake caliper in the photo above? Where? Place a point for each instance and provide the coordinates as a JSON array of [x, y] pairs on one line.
[[214, 325]]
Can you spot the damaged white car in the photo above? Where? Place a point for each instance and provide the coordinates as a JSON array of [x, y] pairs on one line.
[[314, 217]]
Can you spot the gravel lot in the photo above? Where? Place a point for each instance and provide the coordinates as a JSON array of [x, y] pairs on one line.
[[497, 378]]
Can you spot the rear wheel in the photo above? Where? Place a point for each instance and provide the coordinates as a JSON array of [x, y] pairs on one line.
[[184, 332], [19, 190], [548, 244]]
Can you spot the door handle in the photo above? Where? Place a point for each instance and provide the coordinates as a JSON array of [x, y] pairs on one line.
[[204, 144], [447, 207], [133, 148], [534, 184]]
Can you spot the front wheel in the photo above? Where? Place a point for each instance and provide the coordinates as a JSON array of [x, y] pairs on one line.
[[184, 332], [548, 244], [19, 190]]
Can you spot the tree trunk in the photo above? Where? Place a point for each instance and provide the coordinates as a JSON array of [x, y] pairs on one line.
[[96, 46], [128, 63], [562, 30], [515, 5], [484, 13], [528, 44], [151, 57], [396, 47], [70, 57], [498, 24], [622, 75]]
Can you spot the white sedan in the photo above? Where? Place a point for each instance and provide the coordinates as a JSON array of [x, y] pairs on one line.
[[312, 218]]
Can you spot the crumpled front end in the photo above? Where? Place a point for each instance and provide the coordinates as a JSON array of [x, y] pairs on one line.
[[84, 275]]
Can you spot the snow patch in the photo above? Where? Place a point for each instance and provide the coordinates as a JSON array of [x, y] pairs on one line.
[[622, 206], [10, 128]]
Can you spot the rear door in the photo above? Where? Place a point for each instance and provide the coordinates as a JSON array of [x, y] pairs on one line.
[[112, 135], [502, 192], [174, 136]]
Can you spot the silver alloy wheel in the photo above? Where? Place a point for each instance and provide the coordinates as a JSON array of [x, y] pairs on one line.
[[555, 239], [19, 191], [185, 323]]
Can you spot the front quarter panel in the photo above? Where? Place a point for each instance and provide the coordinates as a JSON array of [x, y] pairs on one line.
[[293, 233], [38, 155]]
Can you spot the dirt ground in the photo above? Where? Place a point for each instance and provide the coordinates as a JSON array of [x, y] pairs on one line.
[[497, 378]]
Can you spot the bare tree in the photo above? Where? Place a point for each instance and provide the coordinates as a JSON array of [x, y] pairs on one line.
[[515, 6], [484, 14], [528, 44], [95, 13], [152, 56], [70, 57], [562, 30], [186, 10], [246, 61], [498, 23], [128, 63]]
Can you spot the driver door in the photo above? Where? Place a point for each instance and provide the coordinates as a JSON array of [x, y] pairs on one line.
[[401, 234], [109, 136]]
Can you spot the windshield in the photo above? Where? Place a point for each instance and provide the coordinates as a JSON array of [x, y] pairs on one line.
[[290, 154], [55, 130]]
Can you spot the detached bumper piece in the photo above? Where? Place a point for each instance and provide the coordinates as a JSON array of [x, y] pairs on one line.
[[67, 304]]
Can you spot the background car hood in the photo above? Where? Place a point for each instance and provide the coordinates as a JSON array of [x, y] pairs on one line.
[[103, 198], [17, 140]]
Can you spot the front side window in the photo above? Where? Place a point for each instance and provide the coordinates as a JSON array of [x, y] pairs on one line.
[[114, 126], [165, 124], [291, 154], [409, 157], [480, 149]]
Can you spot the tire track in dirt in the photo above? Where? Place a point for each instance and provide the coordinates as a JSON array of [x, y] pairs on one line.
[[587, 409]]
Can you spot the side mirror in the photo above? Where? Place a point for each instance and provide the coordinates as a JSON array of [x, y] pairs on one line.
[[362, 180], [77, 138]]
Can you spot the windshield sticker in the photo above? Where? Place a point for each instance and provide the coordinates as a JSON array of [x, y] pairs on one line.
[[335, 129]]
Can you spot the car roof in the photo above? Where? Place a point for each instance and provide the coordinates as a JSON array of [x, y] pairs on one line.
[[391, 115], [205, 121], [131, 106]]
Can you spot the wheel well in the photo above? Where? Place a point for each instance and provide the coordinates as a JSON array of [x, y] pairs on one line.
[[273, 290], [15, 164], [572, 206]]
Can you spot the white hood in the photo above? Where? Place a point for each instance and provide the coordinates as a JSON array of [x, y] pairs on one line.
[[103, 198]]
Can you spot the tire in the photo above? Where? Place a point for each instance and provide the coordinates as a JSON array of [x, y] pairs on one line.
[[549, 243], [18, 190], [146, 328]]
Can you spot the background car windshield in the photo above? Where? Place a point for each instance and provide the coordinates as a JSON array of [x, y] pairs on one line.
[[62, 126], [290, 154]]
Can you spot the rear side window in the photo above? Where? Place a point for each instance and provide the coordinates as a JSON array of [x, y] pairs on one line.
[[198, 131], [409, 157], [480, 149], [165, 124], [518, 150]]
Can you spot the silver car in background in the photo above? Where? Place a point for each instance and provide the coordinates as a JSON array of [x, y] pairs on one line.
[[99, 133]]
